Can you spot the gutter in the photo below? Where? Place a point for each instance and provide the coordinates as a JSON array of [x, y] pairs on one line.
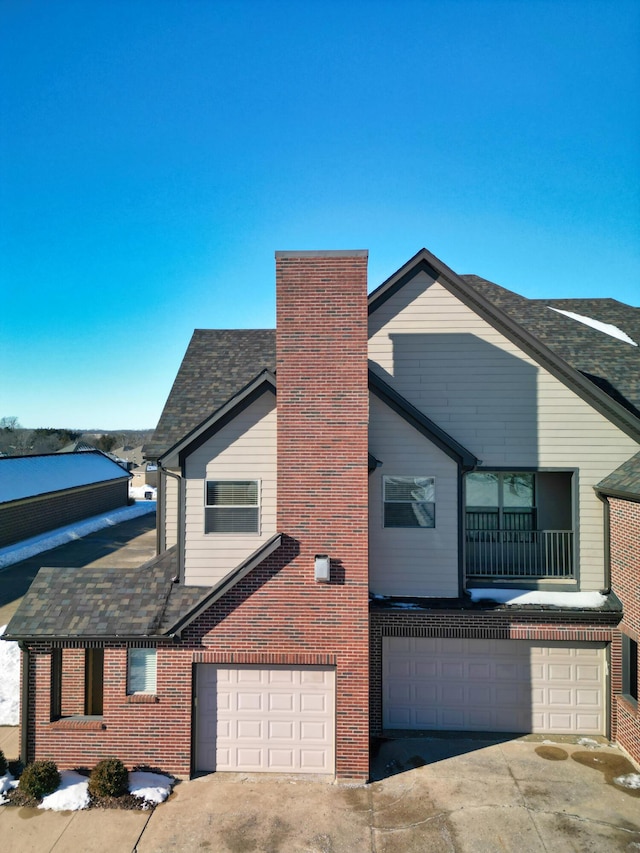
[[180, 481]]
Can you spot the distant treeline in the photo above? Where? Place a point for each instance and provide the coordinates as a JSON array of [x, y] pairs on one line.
[[18, 441]]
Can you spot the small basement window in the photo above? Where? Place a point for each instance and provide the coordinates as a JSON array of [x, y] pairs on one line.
[[232, 506], [409, 501], [141, 671]]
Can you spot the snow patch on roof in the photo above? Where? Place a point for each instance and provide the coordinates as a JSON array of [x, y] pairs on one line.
[[571, 600], [607, 328]]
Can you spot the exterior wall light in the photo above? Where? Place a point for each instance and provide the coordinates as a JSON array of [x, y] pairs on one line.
[[323, 568]]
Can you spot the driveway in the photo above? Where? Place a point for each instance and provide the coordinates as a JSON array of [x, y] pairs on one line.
[[454, 795]]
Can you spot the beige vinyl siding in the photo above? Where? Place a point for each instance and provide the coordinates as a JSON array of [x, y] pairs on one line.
[[171, 509], [411, 561], [244, 449], [496, 400]]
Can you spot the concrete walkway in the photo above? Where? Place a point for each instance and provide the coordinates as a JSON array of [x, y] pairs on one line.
[[459, 796]]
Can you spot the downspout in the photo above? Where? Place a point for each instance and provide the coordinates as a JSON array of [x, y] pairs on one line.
[[160, 510], [180, 481], [607, 540], [24, 703]]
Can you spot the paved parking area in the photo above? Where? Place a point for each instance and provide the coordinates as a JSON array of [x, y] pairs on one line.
[[454, 795]]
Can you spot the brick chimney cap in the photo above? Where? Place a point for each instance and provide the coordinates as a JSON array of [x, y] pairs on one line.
[[325, 253]]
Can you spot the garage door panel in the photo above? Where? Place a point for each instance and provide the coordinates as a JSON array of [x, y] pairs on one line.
[[256, 720], [493, 685]]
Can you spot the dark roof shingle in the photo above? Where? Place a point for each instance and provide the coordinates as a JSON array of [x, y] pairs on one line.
[[216, 365]]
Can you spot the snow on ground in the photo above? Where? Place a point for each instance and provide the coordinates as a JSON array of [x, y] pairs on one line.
[[7, 782], [9, 683], [72, 793], [631, 780], [150, 787], [141, 492], [522, 596], [46, 541]]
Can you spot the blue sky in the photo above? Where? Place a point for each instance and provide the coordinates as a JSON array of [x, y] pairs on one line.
[[155, 153]]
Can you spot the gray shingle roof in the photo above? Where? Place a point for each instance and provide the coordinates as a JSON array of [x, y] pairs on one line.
[[611, 364], [84, 603], [216, 365], [625, 480]]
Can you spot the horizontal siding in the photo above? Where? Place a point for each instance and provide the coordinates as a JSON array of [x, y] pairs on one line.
[[244, 449], [494, 399], [406, 561], [170, 511]]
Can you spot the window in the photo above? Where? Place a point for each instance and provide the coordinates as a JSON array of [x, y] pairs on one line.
[[231, 506], [630, 668], [141, 675], [409, 501], [496, 501], [93, 682], [77, 683]]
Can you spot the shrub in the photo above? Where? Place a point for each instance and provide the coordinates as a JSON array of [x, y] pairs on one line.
[[109, 778], [39, 779], [3, 763]]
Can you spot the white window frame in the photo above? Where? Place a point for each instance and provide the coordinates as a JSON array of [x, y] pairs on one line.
[[150, 685], [257, 506], [420, 482]]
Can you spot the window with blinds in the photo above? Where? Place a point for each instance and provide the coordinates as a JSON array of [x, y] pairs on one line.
[[232, 506], [409, 501], [141, 675]]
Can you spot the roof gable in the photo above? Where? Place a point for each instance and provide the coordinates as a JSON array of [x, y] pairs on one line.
[[597, 367], [263, 383], [217, 364]]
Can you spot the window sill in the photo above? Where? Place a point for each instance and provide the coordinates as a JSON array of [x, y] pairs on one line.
[[629, 702], [82, 723], [141, 699]]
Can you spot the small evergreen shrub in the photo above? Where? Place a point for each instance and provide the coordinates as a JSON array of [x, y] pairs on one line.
[[3, 763], [109, 778], [39, 779]]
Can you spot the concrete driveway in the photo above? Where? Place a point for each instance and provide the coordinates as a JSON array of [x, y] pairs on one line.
[[430, 794]]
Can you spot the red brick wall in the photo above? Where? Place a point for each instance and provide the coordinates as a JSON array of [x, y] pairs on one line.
[[321, 365], [625, 582], [138, 730], [72, 694]]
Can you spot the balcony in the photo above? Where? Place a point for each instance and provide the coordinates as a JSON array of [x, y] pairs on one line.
[[512, 554]]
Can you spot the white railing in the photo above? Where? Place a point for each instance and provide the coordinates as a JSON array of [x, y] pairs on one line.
[[519, 553]]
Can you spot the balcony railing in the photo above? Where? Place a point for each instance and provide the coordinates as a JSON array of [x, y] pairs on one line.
[[519, 553]]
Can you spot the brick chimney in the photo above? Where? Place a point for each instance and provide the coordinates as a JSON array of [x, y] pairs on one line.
[[321, 374]]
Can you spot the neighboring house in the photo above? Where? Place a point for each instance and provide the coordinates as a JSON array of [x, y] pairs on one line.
[[41, 493], [133, 456], [145, 475], [343, 503]]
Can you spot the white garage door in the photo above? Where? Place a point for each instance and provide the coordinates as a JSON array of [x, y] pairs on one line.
[[493, 685], [278, 720]]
